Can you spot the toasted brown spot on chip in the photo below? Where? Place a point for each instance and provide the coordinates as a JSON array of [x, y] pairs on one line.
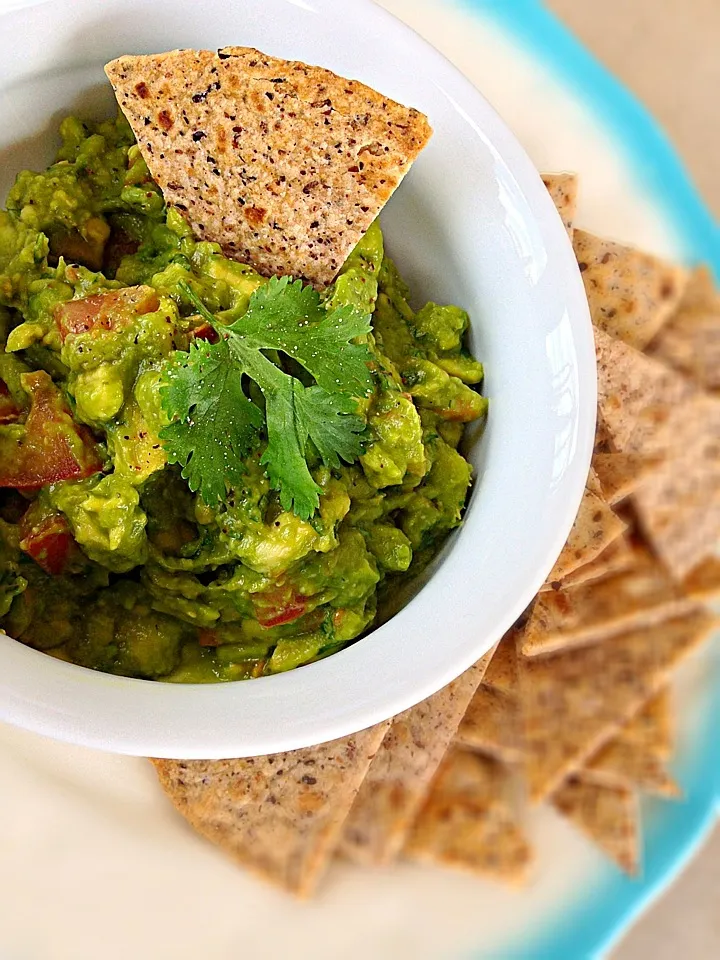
[[254, 215]]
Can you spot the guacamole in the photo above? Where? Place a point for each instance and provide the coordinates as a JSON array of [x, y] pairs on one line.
[[108, 558]]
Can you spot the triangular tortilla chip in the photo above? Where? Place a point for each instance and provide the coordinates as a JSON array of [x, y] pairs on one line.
[[608, 815], [469, 821], [603, 442], [502, 671], [678, 505], [620, 473], [639, 596], [637, 396], [593, 483], [563, 188], [630, 294], [618, 556], [691, 344], [492, 725], [690, 340], [636, 757], [654, 726], [573, 702], [596, 527], [700, 289], [703, 583], [280, 815], [401, 772], [284, 165]]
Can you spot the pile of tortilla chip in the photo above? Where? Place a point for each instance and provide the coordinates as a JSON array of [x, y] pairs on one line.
[[573, 707]]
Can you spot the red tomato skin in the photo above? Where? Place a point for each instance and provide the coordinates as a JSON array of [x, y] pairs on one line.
[[49, 542], [104, 311], [54, 447], [9, 410]]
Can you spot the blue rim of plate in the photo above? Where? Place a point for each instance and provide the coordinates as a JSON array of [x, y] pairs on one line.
[[591, 927]]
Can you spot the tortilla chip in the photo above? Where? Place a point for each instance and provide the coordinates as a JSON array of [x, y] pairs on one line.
[[280, 815], [703, 583], [563, 189], [574, 702], [596, 527], [678, 506], [618, 556], [700, 289], [630, 294], [639, 596], [690, 340], [637, 756], [637, 396], [620, 473], [603, 442], [492, 725], [399, 777], [285, 165], [654, 726], [469, 821], [608, 815], [502, 671], [593, 483], [691, 344]]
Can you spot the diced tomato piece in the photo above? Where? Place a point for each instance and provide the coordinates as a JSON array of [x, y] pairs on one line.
[[48, 541], [208, 638], [291, 612], [52, 447], [9, 410], [105, 311], [279, 606], [205, 332]]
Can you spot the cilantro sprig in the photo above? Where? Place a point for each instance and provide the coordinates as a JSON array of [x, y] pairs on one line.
[[214, 424]]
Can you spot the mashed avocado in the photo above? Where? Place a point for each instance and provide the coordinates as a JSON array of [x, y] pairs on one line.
[[106, 556]]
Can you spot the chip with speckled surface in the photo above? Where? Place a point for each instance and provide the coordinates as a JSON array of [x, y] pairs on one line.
[[284, 165]]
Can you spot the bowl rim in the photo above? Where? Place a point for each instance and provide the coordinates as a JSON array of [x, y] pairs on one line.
[[81, 706]]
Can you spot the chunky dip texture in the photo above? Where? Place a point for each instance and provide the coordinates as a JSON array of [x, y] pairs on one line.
[[133, 539]]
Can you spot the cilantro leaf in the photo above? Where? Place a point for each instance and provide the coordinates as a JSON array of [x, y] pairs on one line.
[[213, 423], [284, 457], [202, 392], [293, 417], [285, 315], [340, 436]]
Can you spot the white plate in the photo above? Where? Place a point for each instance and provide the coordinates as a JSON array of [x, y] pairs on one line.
[[93, 863]]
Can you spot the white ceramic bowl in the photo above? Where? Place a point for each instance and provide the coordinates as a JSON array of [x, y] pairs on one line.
[[472, 224]]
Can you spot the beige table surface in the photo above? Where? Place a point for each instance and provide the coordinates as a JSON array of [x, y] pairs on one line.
[[666, 52]]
